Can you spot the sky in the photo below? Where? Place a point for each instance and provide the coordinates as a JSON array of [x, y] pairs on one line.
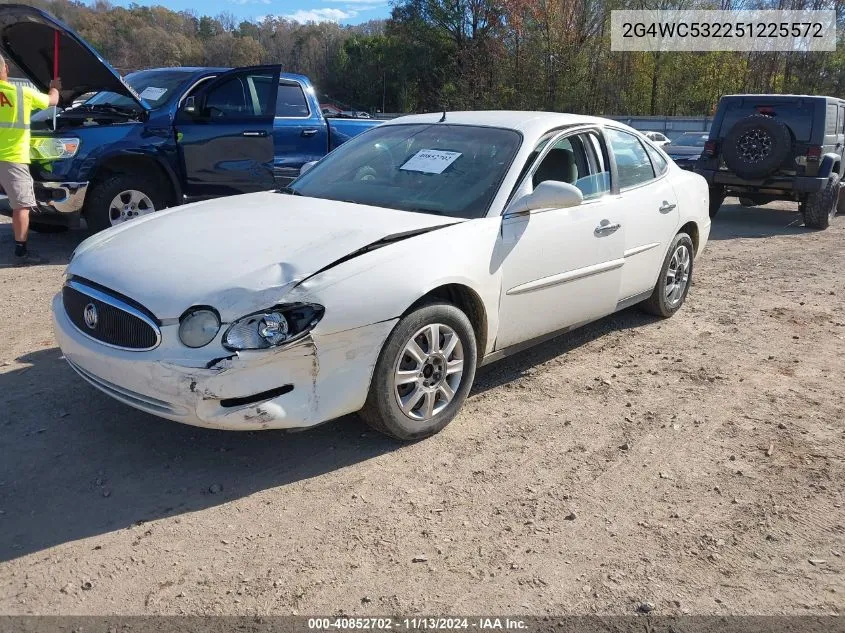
[[341, 11]]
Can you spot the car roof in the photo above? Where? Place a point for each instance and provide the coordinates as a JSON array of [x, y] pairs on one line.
[[527, 122], [778, 96]]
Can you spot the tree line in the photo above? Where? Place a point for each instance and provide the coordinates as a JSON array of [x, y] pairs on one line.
[[466, 54]]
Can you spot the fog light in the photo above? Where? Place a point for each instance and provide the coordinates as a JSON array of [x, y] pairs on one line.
[[198, 327]]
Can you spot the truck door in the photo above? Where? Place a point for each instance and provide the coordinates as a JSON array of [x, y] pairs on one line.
[[225, 134], [300, 133]]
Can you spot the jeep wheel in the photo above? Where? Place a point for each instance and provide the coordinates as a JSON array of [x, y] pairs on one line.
[[840, 201], [121, 198], [756, 146], [717, 197], [819, 208]]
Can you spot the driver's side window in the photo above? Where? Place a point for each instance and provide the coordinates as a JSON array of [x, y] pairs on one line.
[[245, 95], [578, 160], [227, 99]]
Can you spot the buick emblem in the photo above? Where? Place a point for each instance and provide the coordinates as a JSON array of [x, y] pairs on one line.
[[90, 315]]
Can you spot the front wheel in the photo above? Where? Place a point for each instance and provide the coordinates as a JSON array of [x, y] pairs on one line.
[[423, 374], [121, 198], [672, 286]]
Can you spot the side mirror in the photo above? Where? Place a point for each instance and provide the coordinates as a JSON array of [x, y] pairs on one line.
[[307, 167], [190, 105], [549, 194]]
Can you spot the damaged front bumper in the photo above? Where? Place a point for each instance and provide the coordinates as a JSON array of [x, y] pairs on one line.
[[312, 381], [57, 202]]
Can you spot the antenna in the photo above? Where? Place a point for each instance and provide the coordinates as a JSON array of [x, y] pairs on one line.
[[443, 118]]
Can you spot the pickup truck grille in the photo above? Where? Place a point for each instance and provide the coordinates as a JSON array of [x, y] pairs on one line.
[[108, 319]]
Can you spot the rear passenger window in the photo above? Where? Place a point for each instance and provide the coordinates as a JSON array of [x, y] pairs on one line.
[[841, 119], [291, 102], [830, 124], [658, 162], [633, 165]]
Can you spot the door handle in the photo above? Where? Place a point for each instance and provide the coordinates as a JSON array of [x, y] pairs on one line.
[[255, 133], [309, 131], [666, 207], [606, 228]]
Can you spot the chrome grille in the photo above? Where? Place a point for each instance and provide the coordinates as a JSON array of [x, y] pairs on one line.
[[109, 320]]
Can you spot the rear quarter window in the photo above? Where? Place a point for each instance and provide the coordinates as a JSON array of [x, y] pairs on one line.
[[797, 114], [830, 121]]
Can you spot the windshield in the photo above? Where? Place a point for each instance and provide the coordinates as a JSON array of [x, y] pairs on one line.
[[690, 140], [156, 87], [452, 170]]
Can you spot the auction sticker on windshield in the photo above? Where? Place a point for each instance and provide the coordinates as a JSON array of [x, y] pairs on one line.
[[152, 93], [430, 161]]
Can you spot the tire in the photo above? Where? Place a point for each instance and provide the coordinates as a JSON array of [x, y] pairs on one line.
[[840, 200], [659, 303], [756, 146], [819, 208], [717, 197], [382, 409], [98, 212], [747, 202], [41, 227]]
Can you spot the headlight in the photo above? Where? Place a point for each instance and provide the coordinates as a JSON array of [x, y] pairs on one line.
[[49, 148], [198, 327], [273, 327]]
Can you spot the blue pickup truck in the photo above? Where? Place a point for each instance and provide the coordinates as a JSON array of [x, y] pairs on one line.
[[161, 137]]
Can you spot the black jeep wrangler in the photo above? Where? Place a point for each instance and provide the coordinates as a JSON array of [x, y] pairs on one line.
[[777, 147]]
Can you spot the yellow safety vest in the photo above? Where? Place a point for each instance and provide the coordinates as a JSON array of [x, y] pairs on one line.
[[16, 103]]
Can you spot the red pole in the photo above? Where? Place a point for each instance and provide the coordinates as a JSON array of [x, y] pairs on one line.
[[56, 54]]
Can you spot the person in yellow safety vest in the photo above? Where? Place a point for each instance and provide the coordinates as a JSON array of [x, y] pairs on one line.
[[16, 104]]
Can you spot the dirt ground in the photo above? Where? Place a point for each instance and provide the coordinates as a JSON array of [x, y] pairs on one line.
[[695, 464]]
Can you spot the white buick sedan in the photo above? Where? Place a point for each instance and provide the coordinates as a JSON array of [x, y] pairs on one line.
[[381, 278]]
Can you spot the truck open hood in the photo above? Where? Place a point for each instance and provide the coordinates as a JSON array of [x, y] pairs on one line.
[[27, 37], [238, 254]]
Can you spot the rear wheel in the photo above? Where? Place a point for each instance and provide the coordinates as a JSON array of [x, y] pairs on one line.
[[121, 198], [672, 286], [756, 146], [819, 208], [423, 374], [717, 197]]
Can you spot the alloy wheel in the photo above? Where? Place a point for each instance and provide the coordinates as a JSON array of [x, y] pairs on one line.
[[677, 275], [128, 205], [428, 372]]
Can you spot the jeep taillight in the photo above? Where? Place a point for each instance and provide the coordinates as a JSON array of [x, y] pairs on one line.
[[709, 148], [814, 152]]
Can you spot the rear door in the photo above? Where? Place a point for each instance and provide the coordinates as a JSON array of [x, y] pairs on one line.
[[300, 133], [226, 143], [651, 214]]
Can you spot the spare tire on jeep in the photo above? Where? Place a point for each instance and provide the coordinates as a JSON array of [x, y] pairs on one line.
[[756, 146]]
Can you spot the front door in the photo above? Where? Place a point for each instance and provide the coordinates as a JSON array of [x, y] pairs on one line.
[[651, 215], [562, 267], [226, 143]]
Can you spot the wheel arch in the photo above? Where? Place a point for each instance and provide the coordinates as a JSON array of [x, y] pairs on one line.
[[691, 229], [133, 162], [468, 301]]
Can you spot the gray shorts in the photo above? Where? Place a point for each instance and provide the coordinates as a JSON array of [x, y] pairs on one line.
[[17, 183]]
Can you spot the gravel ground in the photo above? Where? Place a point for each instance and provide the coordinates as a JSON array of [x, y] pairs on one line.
[[695, 464]]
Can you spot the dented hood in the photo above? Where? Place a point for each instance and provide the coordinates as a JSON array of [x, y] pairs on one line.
[[238, 254]]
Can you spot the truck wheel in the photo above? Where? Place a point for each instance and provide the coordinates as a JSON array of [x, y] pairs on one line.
[[819, 208], [423, 374], [840, 200], [756, 146], [672, 286], [717, 197], [121, 198]]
